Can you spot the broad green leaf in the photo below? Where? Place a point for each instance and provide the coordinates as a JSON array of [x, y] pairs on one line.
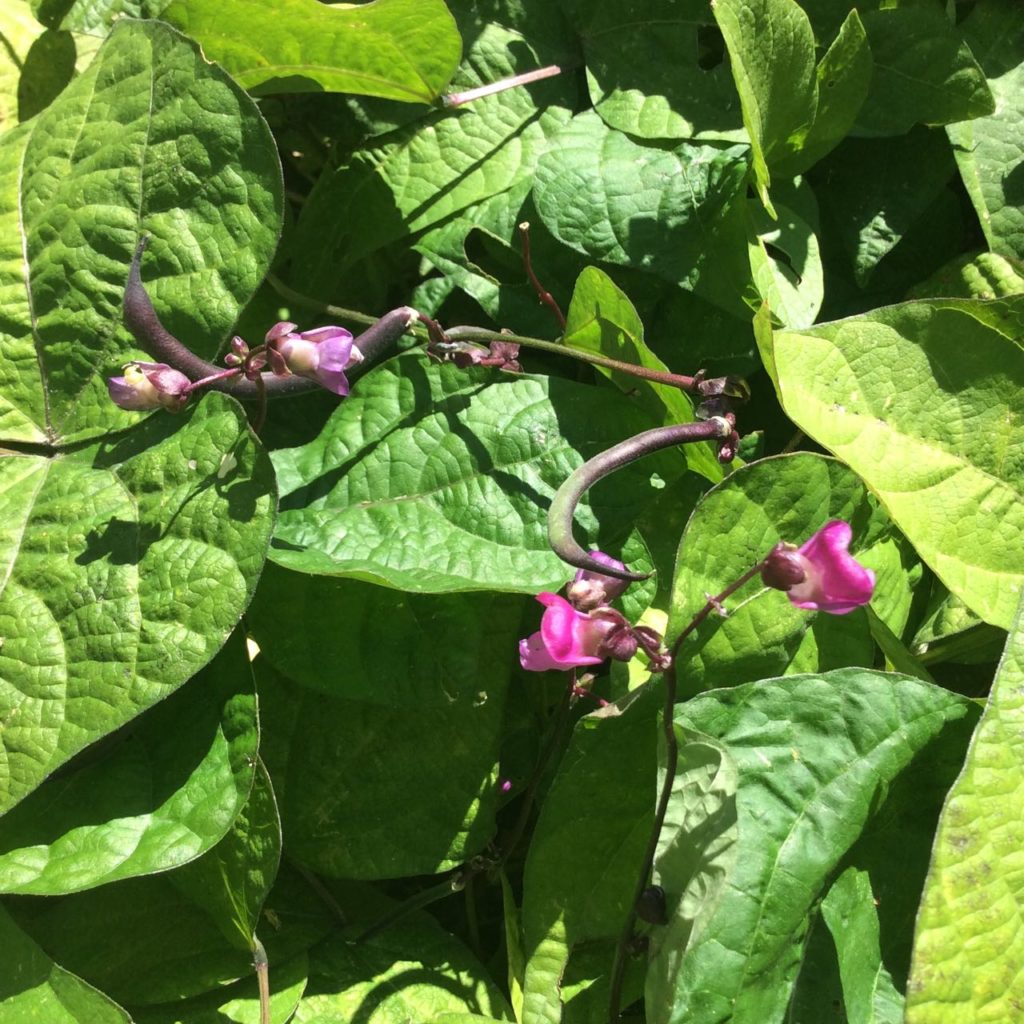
[[968, 945], [588, 845], [151, 138], [950, 631], [924, 401], [843, 78], [238, 1003], [125, 566], [414, 971], [868, 991], [979, 275], [735, 525], [924, 72], [434, 479], [144, 942], [334, 764], [389, 650], [231, 882], [34, 988], [818, 990], [696, 850], [668, 221], [165, 793], [989, 149], [601, 319], [442, 164], [18, 28], [397, 49], [771, 50], [873, 191], [815, 756], [646, 73]]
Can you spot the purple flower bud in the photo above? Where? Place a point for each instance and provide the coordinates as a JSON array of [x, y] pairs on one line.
[[621, 643], [566, 639], [784, 567], [146, 386], [322, 354], [590, 589], [833, 581]]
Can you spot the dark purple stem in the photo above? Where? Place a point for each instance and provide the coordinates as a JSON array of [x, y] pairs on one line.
[[542, 293], [567, 497], [140, 318]]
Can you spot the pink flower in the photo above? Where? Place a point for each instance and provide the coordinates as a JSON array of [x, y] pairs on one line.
[[567, 638], [821, 575], [147, 386], [323, 354]]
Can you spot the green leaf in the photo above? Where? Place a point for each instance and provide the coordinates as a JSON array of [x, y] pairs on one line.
[[434, 479], [666, 222], [33, 987], [164, 794], [126, 566], [696, 852], [978, 275], [424, 173], [924, 72], [415, 971], [868, 990], [396, 49], [93, 17], [843, 77], [601, 319], [231, 882], [968, 945], [989, 149], [644, 70], [771, 49], [815, 755], [145, 942], [384, 655], [151, 138], [923, 400], [734, 526], [238, 1003], [588, 845], [785, 260], [332, 761]]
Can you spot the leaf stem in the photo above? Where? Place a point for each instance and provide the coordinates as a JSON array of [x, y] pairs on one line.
[[457, 99], [542, 293], [260, 962], [665, 796]]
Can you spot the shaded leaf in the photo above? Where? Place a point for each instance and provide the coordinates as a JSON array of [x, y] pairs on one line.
[[923, 400], [33, 987], [967, 948], [49, 66], [396, 49], [815, 755], [127, 565], [924, 72], [165, 792], [989, 149]]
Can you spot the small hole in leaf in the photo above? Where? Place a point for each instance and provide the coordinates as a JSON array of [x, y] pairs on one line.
[[710, 47]]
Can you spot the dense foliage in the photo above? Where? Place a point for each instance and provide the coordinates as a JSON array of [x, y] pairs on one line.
[[261, 704]]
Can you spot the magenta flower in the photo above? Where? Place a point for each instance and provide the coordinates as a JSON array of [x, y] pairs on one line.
[[821, 575], [323, 354], [567, 638], [147, 386]]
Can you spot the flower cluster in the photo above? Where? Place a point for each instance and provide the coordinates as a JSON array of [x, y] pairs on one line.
[[323, 354], [584, 630], [145, 386]]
